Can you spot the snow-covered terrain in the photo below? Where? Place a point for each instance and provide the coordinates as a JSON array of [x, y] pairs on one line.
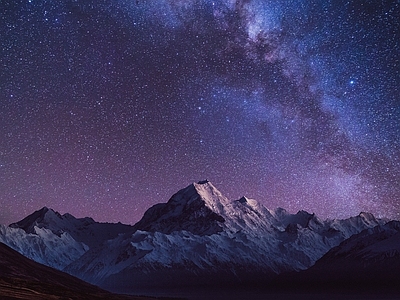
[[371, 245], [43, 246], [57, 240], [197, 237], [84, 230], [200, 236]]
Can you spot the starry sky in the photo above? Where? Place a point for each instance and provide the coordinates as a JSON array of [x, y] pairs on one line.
[[110, 106]]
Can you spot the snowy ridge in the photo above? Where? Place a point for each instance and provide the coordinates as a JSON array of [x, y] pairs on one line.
[[57, 240], [84, 230], [198, 208], [144, 253], [43, 246], [368, 261], [197, 237], [199, 234], [371, 244]]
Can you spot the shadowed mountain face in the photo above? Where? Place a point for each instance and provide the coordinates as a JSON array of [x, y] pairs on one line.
[[22, 278], [369, 259], [190, 209], [366, 264]]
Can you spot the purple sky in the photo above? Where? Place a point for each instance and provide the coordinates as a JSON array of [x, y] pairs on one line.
[[108, 107]]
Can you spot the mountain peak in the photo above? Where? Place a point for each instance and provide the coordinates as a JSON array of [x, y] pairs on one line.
[[43, 215], [83, 230], [243, 200], [201, 209], [212, 197], [198, 208], [203, 181], [50, 219], [367, 216], [44, 209]]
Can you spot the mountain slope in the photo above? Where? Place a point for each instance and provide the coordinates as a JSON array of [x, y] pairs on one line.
[[22, 278], [43, 246], [196, 208], [200, 237], [84, 230], [365, 266], [371, 257], [57, 240]]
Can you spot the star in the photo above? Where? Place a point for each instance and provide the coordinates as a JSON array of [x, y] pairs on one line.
[[121, 104]]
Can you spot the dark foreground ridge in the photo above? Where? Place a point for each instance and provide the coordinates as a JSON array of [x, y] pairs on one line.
[[22, 278]]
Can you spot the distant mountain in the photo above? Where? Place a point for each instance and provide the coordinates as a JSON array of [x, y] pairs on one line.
[[369, 258], [367, 265], [200, 237], [22, 278], [57, 240], [43, 246], [84, 230]]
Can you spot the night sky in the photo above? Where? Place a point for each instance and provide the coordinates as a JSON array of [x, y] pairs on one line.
[[110, 106]]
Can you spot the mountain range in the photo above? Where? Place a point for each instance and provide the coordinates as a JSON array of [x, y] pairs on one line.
[[200, 238]]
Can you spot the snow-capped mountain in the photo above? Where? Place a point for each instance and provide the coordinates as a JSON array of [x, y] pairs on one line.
[[43, 246], [197, 237], [84, 230], [200, 237], [57, 240]]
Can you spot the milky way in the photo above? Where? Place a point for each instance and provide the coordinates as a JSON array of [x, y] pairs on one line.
[[108, 107]]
